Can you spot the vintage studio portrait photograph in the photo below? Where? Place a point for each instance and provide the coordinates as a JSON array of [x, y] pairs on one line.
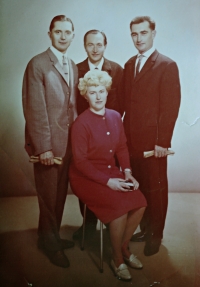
[[100, 143]]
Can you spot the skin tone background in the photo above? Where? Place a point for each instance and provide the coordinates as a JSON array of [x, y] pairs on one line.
[[23, 32]]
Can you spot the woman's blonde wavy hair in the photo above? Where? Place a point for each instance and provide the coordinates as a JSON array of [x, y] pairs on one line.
[[94, 78]]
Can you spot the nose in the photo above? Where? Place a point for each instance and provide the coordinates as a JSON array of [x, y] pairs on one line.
[[98, 96], [138, 38], [95, 49], [63, 35]]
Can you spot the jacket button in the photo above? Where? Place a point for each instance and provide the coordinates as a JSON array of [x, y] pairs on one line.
[[108, 133]]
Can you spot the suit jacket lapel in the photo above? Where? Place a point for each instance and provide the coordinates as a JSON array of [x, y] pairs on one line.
[[56, 64], [148, 65]]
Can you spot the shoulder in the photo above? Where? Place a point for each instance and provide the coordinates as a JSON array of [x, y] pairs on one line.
[[164, 59], [112, 114], [130, 61], [112, 64], [40, 57], [38, 60], [82, 64], [82, 118]]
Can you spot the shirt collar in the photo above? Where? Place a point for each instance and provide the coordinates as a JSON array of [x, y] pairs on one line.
[[58, 54], [92, 66], [148, 53]]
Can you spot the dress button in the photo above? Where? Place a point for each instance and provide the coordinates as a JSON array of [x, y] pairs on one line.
[[108, 133], [103, 118], [68, 125], [110, 150], [109, 166]]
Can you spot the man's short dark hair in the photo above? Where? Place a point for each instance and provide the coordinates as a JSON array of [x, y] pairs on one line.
[[141, 19], [61, 18], [95, 32]]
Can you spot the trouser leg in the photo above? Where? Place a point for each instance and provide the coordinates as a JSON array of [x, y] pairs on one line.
[[152, 176], [51, 185], [46, 186], [63, 180]]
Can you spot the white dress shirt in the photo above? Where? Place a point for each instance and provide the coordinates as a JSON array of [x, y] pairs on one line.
[[92, 66]]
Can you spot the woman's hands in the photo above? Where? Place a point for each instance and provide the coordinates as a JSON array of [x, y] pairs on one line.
[[120, 185], [129, 177]]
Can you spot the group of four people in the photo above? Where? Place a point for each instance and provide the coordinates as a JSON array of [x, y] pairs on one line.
[[99, 153]]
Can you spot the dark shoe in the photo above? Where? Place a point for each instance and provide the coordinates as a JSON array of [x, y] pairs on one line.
[[90, 230], [59, 259], [152, 247], [139, 237], [66, 244]]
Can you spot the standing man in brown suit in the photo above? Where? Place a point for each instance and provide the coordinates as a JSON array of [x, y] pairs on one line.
[[152, 99], [95, 43], [49, 103]]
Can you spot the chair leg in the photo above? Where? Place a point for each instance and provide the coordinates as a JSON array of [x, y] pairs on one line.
[[101, 247], [84, 219]]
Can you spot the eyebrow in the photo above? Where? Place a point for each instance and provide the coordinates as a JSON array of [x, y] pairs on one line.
[[139, 32]]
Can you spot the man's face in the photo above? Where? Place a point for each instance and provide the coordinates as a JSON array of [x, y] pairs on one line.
[[61, 35], [95, 47], [142, 36]]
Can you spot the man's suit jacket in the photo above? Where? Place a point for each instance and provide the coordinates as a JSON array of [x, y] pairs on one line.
[[49, 104], [151, 101], [114, 96]]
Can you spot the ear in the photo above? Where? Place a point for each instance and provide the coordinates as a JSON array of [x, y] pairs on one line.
[[49, 34], [154, 33]]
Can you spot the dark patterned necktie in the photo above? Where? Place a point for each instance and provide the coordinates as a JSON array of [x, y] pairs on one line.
[[137, 69], [66, 68]]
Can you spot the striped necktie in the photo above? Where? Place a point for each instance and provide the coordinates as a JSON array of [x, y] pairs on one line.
[[137, 69], [66, 68]]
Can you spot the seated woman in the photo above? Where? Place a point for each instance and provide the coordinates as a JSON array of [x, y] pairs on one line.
[[97, 136]]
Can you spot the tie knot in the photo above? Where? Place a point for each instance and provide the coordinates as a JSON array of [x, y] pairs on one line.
[[64, 60], [140, 57]]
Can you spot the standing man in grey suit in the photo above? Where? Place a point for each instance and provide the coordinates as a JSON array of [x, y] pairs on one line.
[[95, 43], [152, 99], [49, 103]]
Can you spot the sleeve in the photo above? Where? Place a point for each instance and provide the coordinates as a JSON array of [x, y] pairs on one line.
[[169, 104], [80, 143], [35, 110], [119, 90], [122, 150]]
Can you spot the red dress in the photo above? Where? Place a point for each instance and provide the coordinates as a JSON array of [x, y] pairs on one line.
[[95, 141]]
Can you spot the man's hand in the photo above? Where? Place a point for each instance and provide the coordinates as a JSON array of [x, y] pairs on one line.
[[160, 151], [47, 158]]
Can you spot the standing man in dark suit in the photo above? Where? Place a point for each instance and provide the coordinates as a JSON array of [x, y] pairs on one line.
[[152, 99], [95, 43], [49, 103]]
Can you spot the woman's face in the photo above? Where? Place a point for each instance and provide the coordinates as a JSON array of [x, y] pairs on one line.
[[97, 97]]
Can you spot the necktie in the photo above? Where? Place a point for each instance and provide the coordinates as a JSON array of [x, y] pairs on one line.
[[96, 68], [137, 69], [66, 68]]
